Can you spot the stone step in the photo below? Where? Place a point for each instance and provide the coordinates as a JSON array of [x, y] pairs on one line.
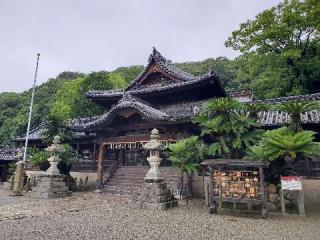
[[132, 184], [128, 180], [125, 169], [119, 192], [120, 175], [133, 180]]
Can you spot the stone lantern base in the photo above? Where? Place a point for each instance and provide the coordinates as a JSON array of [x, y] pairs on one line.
[[50, 186], [155, 195]]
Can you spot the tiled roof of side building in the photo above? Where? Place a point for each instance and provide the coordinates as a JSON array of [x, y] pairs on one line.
[[277, 118], [38, 133], [8, 153], [307, 97]]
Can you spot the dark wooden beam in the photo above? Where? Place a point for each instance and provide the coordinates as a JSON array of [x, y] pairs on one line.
[[100, 166]]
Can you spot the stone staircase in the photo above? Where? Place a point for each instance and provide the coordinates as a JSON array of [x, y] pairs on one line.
[[128, 179]]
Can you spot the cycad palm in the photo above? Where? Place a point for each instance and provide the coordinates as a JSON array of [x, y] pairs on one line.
[[229, 126], [295, 109], [283, 142]]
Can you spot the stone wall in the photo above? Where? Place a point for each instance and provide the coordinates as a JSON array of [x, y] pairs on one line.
[[92, 177], [311, 189]]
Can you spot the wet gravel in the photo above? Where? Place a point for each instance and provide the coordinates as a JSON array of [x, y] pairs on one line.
[[99, 216]]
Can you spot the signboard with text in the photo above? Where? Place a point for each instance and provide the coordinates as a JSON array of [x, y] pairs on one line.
[[291, 183]]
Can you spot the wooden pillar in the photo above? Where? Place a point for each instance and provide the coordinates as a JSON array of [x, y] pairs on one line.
[[263, 194], [100, 166], [121, 156], [301, 203], [213, 206]]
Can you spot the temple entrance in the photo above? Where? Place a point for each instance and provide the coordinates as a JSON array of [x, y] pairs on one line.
[[130, 157], [135, 157]]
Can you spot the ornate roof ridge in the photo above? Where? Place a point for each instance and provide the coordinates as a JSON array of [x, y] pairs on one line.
[[166, 65]]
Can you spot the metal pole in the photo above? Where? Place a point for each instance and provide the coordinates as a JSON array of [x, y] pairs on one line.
[[30, 110]]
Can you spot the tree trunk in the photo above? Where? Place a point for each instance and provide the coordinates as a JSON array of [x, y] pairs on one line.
[[190, 180], [181, 184]]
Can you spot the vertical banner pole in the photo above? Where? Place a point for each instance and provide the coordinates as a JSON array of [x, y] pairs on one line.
[[30, 110]]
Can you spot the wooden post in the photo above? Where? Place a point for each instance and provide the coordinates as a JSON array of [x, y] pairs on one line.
[[301, 203], [264, 212], [100, 166], [94, 154], [213, 207], [283, 207]]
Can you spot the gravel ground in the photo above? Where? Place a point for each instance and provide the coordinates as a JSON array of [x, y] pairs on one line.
[[99, 216]]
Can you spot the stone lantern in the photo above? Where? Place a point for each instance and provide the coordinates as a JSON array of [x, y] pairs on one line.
[[51, 183], [154, 146], [54, 149], [154, 193]]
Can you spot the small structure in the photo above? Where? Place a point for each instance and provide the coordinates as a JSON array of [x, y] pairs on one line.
[[50, 184], [236, 181], [154, 193], [8, 155]]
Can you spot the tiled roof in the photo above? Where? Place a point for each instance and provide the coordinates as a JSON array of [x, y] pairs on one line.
[[127, 101], [37, 134], [171, 112], [307, 97], [10, 153], [276, 118], [186, 80], [166, 65]]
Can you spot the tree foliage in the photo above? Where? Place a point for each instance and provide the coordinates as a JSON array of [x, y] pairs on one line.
[[39, 158], [295, 109], [283, 142], [228, 126], [186, 154], [280, 50]]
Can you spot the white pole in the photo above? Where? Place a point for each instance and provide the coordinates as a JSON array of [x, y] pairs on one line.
[[30, 110]]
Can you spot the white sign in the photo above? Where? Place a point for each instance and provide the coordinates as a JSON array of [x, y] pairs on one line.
[[291, 183]]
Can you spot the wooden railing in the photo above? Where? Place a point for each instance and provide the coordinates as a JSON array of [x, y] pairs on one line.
[[109, 172]]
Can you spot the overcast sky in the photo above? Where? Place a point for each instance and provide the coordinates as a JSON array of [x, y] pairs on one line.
[[93, 35]]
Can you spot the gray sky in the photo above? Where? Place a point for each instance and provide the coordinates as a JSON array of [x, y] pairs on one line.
[[93, 35]]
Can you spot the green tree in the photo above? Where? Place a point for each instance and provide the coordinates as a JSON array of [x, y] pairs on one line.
[[282, 45], [295, 109], [54, 125], [71, 101], [185, 155], [228, 127], [283, 142], [222, 65], [39, 158]]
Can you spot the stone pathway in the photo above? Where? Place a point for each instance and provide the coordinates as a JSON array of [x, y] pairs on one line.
[[100, 216]]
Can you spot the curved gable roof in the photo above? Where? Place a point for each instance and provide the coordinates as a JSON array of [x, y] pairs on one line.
[[126, 102], [163, 65], [179, 81]]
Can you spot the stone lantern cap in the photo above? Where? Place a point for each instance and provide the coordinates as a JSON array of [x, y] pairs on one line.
[[56, 147], [154, 143]]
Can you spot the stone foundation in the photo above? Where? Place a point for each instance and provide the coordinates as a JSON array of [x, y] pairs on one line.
[[49, 186], [154, 195]]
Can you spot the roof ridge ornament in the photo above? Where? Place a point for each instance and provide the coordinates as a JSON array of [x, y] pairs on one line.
[[157, 56]]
